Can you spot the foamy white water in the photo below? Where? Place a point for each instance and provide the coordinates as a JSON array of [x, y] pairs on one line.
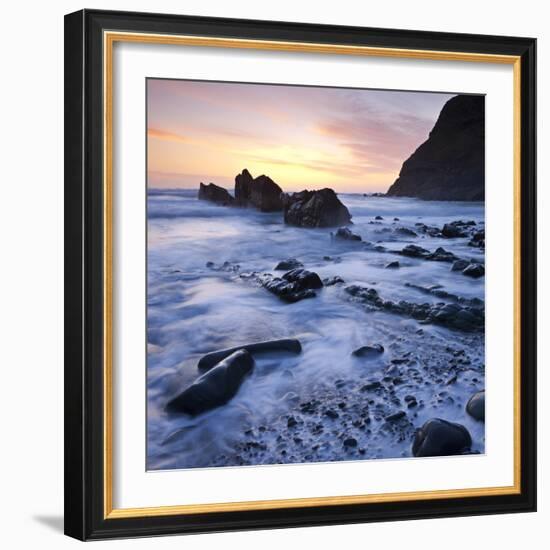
[[193, 310]]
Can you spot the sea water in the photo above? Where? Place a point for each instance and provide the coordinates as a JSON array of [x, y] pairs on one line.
[[193, 309]]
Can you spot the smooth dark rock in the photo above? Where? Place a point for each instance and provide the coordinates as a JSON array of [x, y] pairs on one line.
[[285, 345], [215, 193], [368, 351], [393, 265], [290, 263], [414, 251], [214, 388], [395, 416], [476, 405], [478, 239], [452, 231], [344, 234], [441, 255], [438, 255], [430, 230], [331, 414], [261, 192], [450, 164], [330, 281], [303, 278], [474, 270], [371, 386], [286, 291], [378, 218], [350, 442], [315, 209], [460, 265], [406, 232], [439, 437]]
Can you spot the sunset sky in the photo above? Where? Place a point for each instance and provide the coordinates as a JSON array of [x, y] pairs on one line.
[[302, 137]]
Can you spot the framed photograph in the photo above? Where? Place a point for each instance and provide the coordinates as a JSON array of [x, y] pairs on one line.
[[300, 274]]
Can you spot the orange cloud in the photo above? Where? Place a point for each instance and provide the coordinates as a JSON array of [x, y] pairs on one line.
[[163, 134]]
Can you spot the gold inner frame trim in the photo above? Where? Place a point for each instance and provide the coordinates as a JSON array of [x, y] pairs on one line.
[[109, 39]]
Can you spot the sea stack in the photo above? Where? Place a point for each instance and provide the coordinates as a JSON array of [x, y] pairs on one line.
[[215, 193], [450, 164], [261, 192], [315, 209]]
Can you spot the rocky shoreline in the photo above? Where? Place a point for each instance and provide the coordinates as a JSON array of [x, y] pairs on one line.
[[351, 417], [347, 419], [413, 384]]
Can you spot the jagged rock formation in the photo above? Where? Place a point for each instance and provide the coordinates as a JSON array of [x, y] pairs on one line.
[[315, 209], [469, 317], [294, 286], [261, 192], [450, 164], [215, 193]]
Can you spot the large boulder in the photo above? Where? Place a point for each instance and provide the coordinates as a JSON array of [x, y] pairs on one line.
[[439, 437], [284, 345], [261, 192], [450, 164], [303, 278], [414, 251], [476, 405], [214, 388], [215, 193], [453, 231], [320, 208], [478, 239], [442, 255], [474, 270], [296, 285]]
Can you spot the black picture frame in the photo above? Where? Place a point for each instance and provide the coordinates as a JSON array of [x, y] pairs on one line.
[[85, 517]]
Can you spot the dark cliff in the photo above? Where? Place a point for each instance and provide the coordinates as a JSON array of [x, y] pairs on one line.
[[450, 164]]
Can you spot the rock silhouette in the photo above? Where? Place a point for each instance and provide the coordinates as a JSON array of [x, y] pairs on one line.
[[261, 192], [215, 193], [320, 208], [450, 164]]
